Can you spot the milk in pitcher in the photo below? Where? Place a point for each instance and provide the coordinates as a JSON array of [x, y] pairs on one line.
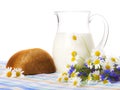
[[64, 44]]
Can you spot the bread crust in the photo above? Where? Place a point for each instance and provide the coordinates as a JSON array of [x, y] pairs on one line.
[[32, 61]]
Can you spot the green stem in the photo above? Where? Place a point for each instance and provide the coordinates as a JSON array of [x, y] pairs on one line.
[[82, 58]]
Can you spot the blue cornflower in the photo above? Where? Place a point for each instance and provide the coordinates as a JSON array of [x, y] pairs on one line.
[[92, 70], [113, 74], [103, 77], [71, 70], [79, 74], [82, 74], [106, 71], [117, 78], [86, 65], [101, 58], [105, 74], [118, 68]]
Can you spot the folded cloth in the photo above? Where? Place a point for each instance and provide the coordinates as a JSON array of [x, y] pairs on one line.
[[46, 82]]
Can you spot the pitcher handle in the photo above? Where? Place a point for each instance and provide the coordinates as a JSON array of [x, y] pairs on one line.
[[106, 30]]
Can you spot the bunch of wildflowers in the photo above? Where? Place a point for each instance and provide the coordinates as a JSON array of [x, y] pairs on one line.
[[96, 69]]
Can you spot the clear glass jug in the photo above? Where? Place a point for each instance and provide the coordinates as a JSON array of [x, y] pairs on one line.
[[73, 37]]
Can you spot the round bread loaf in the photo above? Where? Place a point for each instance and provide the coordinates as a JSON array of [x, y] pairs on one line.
[[32, 61]]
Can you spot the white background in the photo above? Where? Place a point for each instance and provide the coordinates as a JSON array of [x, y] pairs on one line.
[[32, 23]]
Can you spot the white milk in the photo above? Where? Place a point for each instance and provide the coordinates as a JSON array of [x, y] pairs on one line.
[[64, 45]]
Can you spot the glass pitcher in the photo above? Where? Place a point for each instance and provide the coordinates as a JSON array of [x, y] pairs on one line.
[[73, 37]]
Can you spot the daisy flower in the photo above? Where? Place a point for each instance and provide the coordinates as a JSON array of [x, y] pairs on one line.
[[74, 37], [59, 79], [113, 60], [97, 63], [89, 79], [89, 63], [63, 77], [73, 53], [105, 81], [97, 53], [96, 75], [76, 81], [73, 74], [8, 72], [18, 72], [64, 73], [74, 57], [108, 65], [68, 66], [93, 78]]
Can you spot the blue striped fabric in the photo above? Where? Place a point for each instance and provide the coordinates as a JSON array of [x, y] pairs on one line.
[[47, 82]]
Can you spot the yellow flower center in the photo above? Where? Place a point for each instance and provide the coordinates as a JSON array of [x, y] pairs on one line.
[[73, 74], [107, 66], [89, 77], [113, 59], [9, 74], [67, 66], [89, 62], [66, 78], [97, 53], [96, 77], [64, 73], [18, 74], [73, 59], [74, 37], [97, 61], [74, 53], [59, 79], [75, 83], [105, 81]]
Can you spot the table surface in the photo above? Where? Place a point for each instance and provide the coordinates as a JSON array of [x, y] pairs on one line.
[[47, 82]]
